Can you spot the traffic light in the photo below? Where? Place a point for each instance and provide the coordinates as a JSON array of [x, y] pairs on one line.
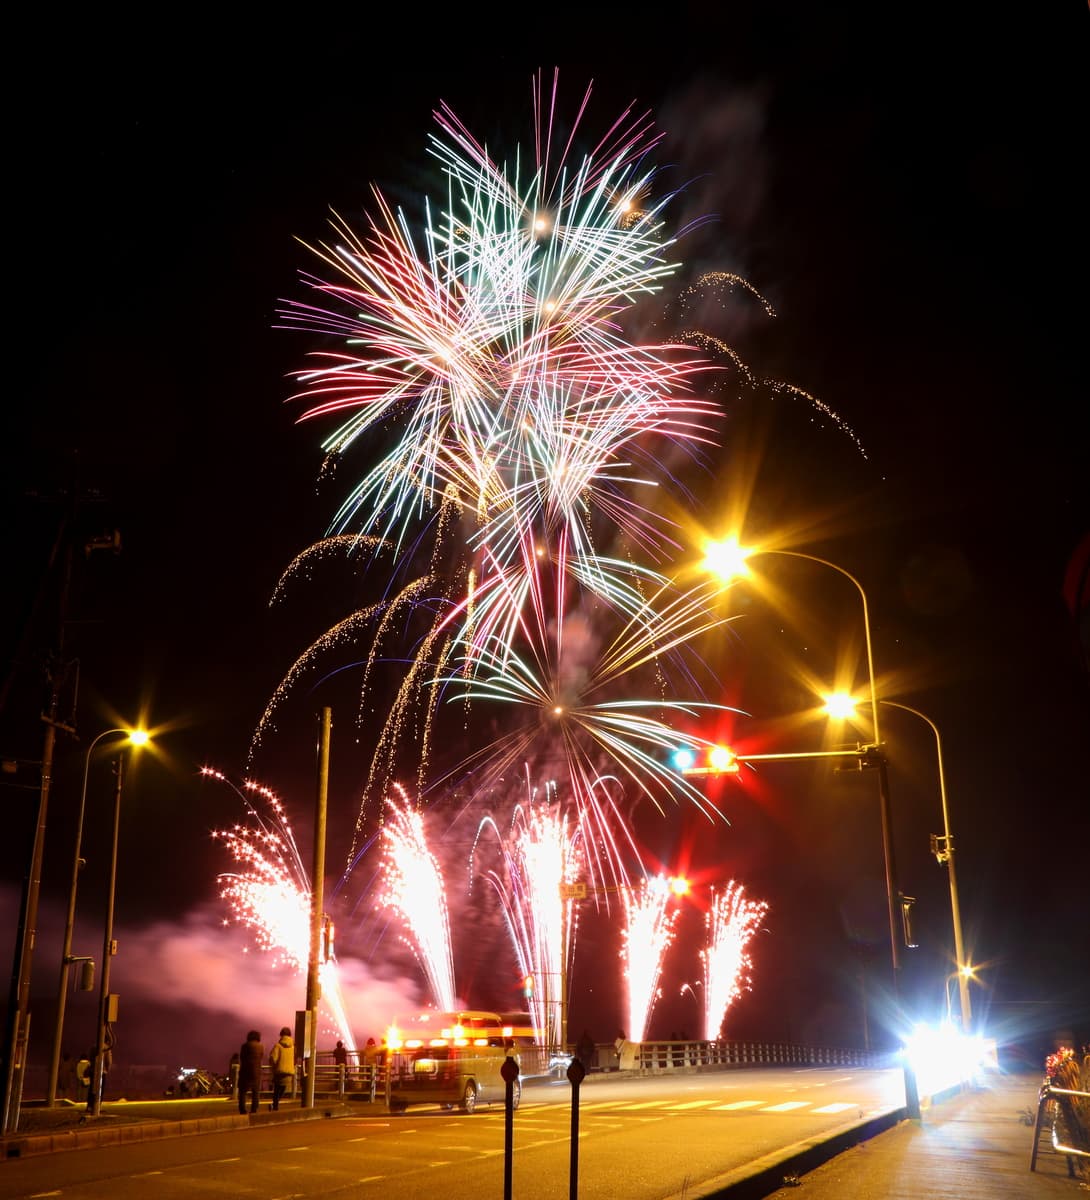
[[723, 759], [528, 986], [683, 758], [712, 760]]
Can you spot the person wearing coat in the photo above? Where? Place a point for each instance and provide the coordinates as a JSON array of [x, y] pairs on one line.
[[282, 1061], [250, 1058]]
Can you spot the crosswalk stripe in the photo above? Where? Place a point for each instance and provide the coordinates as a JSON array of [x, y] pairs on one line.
[[739, 1104], [833, 1108], [787, 1106], [689, 1104]]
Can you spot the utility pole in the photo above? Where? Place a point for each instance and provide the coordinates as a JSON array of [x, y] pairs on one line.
[[17, 1033], [317, 901]]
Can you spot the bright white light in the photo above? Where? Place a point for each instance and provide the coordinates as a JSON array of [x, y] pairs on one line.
[[942, 1057]]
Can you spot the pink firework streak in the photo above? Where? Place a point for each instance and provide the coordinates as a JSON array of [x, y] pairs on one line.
[[541, 859], [412, 883], [648, 932], [270, 893], [731, 924]]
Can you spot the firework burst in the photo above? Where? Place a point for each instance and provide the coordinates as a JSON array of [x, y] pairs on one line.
[[412, 884], [542, 855], [731, 924], [525, 429], [269, 893], [647, 934]]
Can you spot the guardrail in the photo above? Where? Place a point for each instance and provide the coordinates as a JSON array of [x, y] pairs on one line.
[[1059, 1108]]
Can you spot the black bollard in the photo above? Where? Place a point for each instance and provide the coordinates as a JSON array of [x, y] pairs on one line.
[[510, 1072], [576, 1074]]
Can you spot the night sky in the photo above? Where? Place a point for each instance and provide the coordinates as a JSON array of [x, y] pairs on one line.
[[907, 200]]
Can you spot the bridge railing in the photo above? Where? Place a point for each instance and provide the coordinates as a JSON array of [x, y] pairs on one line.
[[671, 1055], [366, 1080]]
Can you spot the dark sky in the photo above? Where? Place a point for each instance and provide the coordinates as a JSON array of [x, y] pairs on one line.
[[906, 197]]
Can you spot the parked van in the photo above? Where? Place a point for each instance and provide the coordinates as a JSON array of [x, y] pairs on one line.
[[452, 1075], [448, 1058]]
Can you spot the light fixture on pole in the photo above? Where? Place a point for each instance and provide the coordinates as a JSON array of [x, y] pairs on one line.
[[106, 1017], [727, 558], [136, 737], [943, 850]]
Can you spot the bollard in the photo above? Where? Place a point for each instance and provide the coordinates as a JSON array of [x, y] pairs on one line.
[[576, 1074], [510, 1072]]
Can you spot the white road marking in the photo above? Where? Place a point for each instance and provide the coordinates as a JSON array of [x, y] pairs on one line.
[[738, 1104], [787, 1106], [833, 1108]]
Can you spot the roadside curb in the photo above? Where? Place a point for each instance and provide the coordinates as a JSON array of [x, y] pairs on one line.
[[766, 1175]]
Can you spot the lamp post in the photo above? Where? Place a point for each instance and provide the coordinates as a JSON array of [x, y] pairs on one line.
[[104, 1038], [729, 558], [136, 737], [943, 849], [731, 554]]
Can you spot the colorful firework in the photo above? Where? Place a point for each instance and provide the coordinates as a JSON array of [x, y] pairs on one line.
[[412, 883], [647, 934], [270, 892], [731, 923], [542, 854], [526, 428], [526, 443]]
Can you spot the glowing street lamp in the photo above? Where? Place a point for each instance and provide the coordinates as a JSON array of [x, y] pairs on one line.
[[728, 559], [105, 1017], [136, 737]]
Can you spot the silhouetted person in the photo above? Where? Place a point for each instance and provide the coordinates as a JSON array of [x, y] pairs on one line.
[[340, 1055], [282, 1061], [250, 1058], [584, 1049]]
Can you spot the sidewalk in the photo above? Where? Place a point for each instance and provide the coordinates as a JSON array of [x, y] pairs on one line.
[[971, 1145]]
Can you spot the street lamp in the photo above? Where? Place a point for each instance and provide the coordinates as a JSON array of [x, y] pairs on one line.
[[727, 558], [136, 737], [943, 849], [103, 1037]]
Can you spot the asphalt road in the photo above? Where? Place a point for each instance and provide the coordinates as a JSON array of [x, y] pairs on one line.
[[640, 1139]]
